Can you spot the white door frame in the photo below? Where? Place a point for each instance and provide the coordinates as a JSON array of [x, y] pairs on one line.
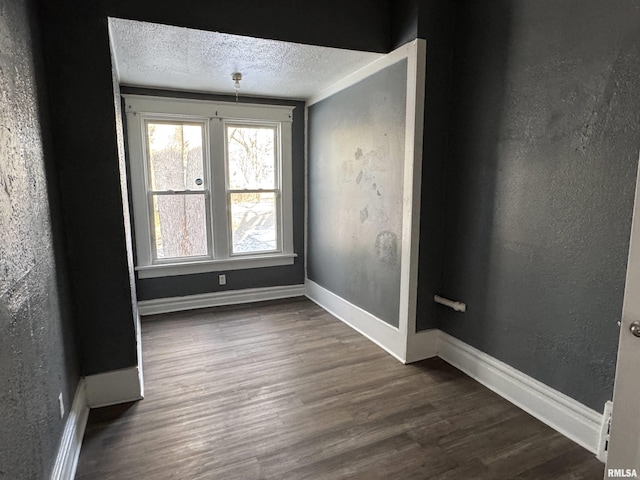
[[624, 445]]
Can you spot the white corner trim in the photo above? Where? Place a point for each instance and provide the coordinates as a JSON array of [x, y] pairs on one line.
[[217, 299], [378, 331], [306, 190], [412, 181], [112, 388], [422, 345], [389, 59], [69, 449], [138, 327], [562, 413]]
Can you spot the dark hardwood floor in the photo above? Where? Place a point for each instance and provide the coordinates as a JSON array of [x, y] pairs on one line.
[[283, 390]]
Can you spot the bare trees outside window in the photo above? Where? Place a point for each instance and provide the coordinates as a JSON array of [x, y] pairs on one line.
[[252, 180], [176, 172]]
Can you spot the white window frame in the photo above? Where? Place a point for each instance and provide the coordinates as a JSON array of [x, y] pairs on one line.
[[214, 116]]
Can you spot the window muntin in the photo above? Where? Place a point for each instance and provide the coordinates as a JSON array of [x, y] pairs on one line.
[[191, 213]]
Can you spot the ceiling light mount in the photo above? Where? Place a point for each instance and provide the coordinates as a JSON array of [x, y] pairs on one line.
[[236, 77]]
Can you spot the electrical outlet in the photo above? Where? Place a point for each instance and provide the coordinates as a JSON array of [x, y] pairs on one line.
[[222, 279], [61, 404]]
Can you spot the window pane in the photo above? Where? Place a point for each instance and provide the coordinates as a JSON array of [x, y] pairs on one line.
[[252, 157], [180, 225], [253, 222], [175, 156]]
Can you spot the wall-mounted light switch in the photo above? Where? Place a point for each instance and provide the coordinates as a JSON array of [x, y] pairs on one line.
[[222, 279]]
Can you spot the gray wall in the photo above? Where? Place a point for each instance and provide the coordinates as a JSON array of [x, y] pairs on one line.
[[355, 180], [37, 351], [81, 96], [435, 24], [544, 147], [149, 288]]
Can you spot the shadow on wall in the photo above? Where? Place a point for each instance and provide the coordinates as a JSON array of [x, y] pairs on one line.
[[474, 144], [436, 25], [544, 145], [65, 303]]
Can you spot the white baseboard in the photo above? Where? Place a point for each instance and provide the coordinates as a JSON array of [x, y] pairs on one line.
[[217, 299], [562, 413], [378, 331], [422, 345], [112, 388], [69, 449]]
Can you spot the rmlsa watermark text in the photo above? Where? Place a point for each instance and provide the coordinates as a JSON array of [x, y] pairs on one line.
[[622, 473]]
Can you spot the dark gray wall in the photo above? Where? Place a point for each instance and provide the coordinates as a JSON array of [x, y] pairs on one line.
[[544, 148], [436, 26], [355, 180], [149, 288], [357, 24], [404, 16], [82, 97], [86, 153], [37, 339]]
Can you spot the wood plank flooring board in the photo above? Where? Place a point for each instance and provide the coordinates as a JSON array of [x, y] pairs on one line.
[[346, 464], [310, 449], [523, 457], [282, 390]]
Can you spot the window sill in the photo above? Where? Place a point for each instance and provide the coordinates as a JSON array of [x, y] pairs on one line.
[[236, 263]]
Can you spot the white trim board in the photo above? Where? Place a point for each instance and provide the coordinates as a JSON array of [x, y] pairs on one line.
[[391, 339], [562, 413], [386, 336], [139, 351], [217, 299], [114, 387], [422, 345], [71, 442], [412, 185], [400, 53]]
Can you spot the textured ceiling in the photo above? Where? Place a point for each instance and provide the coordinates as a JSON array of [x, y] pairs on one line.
[[161, 56]]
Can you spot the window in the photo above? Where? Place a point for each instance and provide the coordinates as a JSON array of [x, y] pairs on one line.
[[211, 185]]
